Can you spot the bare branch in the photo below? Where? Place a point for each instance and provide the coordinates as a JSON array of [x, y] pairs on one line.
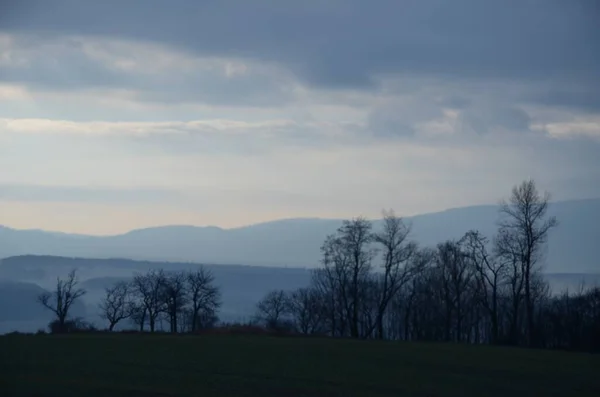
[[116, 305], [62, 298]]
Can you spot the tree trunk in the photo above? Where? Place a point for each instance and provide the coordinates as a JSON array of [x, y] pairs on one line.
[[514, 327], [529, 310], [143, 321], [459, 320], [354, 323], [448, 322], [494, 316], [194, 319], [407, 323], [380, 332], [174, 322]]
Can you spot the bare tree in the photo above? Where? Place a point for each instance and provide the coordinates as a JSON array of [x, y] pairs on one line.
[[116, 305], [203, 320], [333, 282], [490, 275], [356, 238], [272, 309], [62, 298], [422, 261], [456, 275], [524, 219], [138, 314], [431, 306], [204, 297], [397, 252], [508, 250], [174, 295], [305, 308], [348, 255], [149, 289], [370, 299], [467, 290], [325, 284]]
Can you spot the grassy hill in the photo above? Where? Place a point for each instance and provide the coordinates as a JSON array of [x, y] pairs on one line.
[[226, 365]]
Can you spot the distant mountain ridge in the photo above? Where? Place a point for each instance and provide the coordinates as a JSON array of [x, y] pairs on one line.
[[296, 242]]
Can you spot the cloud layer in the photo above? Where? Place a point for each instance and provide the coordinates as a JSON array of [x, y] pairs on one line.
[[337, 42], [253, 110]]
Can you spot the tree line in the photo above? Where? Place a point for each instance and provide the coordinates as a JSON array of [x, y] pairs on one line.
[[381, 284], [188, 300]]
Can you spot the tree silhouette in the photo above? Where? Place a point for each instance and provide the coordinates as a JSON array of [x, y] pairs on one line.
[[62, 298]]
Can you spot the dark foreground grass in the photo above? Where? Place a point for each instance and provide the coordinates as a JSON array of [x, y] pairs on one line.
[[147, 365]]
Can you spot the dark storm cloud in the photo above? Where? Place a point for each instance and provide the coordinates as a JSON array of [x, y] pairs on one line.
[[67, 65], [585, 99], [342, 43]]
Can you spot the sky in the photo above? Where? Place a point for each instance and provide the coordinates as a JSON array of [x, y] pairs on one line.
[[116, 115]]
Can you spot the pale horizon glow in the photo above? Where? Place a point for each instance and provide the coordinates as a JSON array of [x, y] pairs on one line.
[[78, 219]]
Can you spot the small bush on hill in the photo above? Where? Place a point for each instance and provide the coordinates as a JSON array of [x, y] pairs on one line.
[[76, 325]]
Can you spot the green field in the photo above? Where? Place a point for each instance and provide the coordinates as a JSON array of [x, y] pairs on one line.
[[160, 365]]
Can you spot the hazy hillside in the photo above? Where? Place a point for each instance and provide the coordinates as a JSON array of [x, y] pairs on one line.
[[296, 242], [20, 310], [242, 286], [18, 301], [23, 278]]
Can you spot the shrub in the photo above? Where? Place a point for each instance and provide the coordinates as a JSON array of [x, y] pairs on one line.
[[76, 325]]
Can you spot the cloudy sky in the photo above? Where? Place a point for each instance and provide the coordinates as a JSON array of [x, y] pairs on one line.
[[124, 114]]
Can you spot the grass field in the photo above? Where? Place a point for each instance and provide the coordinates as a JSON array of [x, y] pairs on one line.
[[159, 365]]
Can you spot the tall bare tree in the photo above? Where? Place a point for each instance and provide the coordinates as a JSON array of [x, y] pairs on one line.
[[116, 305], [174, 295], [350, 252], [62, 298], [490, 275], [138, 314], [305, 308], [149, 289], [272, 309], [525, 224], [204, 297], [457, 274], [397, 269], [508, 251], [333, 281], [467, 290], [326, 284]]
